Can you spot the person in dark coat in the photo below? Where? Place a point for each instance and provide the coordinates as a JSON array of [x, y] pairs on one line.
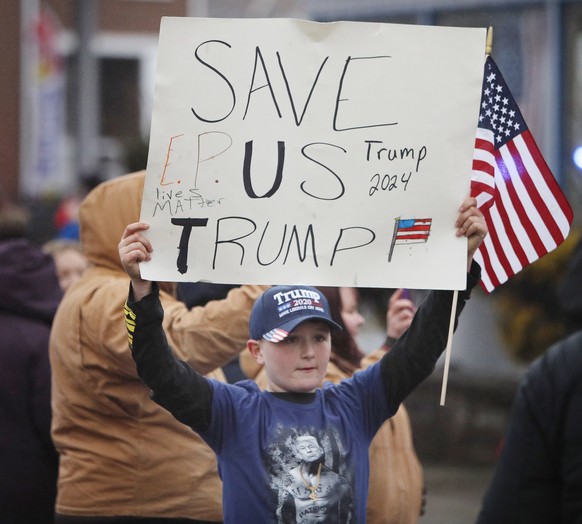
[[538, 477], [29, 296], [570, 291]]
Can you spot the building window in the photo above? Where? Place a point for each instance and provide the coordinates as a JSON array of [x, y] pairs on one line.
[[119, 98]]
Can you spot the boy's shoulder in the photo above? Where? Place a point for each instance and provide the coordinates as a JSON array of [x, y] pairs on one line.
[[247, 385], [362, 378]]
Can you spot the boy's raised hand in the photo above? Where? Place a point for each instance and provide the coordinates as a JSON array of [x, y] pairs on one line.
[[471, 223], [134, 248]]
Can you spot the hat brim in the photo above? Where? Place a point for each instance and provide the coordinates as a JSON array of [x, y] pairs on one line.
[[280, 333]]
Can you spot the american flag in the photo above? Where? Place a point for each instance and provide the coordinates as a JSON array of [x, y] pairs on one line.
[[410, 231], [276, 335], [526, 212]]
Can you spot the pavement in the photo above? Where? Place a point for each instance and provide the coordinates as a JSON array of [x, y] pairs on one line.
[[454, 493]]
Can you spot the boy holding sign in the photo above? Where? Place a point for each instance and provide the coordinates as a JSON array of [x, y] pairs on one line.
[[295, 452]]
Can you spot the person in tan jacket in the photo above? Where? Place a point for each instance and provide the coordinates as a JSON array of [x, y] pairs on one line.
[[396, 478], [396, 487], [122, 455]]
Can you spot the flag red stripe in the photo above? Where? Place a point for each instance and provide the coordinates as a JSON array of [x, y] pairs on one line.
[[484, 144], [514, 241], [480, 187], [499, 252], [413, 237], [518, 206], [414, 228], [487, 269], [548, 177], [534, 194], [483, 181], [483, 166]]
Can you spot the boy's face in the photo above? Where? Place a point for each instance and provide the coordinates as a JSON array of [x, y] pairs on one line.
[[299, 362]]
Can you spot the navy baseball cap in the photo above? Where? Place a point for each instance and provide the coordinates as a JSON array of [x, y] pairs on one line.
[[280, 309]]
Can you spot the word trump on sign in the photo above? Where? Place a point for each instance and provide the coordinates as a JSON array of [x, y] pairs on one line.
[[284, 150]]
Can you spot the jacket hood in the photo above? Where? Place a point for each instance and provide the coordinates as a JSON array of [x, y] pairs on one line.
[[28, 280], [104, 214]]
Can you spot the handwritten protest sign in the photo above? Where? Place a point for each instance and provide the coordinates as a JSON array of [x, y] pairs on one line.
[[287, 151]]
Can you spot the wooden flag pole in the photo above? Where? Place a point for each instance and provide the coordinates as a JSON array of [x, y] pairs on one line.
[[448, 349], [488, 51]]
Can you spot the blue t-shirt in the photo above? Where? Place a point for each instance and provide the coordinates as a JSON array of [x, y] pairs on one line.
[[286, 461]]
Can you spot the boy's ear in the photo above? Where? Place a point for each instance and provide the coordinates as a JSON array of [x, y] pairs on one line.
[[255, 350]]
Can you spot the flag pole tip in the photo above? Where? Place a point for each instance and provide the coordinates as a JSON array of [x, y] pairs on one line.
[[489, 43]]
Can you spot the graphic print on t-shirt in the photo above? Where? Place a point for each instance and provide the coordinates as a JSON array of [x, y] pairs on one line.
[[310, 477]]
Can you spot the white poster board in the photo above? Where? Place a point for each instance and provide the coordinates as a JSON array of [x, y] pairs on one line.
[[285, 151]]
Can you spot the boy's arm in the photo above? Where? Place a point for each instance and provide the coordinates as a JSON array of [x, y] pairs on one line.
[[174, 384], [414, 355]]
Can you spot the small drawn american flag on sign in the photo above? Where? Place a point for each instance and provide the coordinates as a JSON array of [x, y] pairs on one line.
[[410, 231]]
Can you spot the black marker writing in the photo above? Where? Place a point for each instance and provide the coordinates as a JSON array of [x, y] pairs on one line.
[[187, 224]]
